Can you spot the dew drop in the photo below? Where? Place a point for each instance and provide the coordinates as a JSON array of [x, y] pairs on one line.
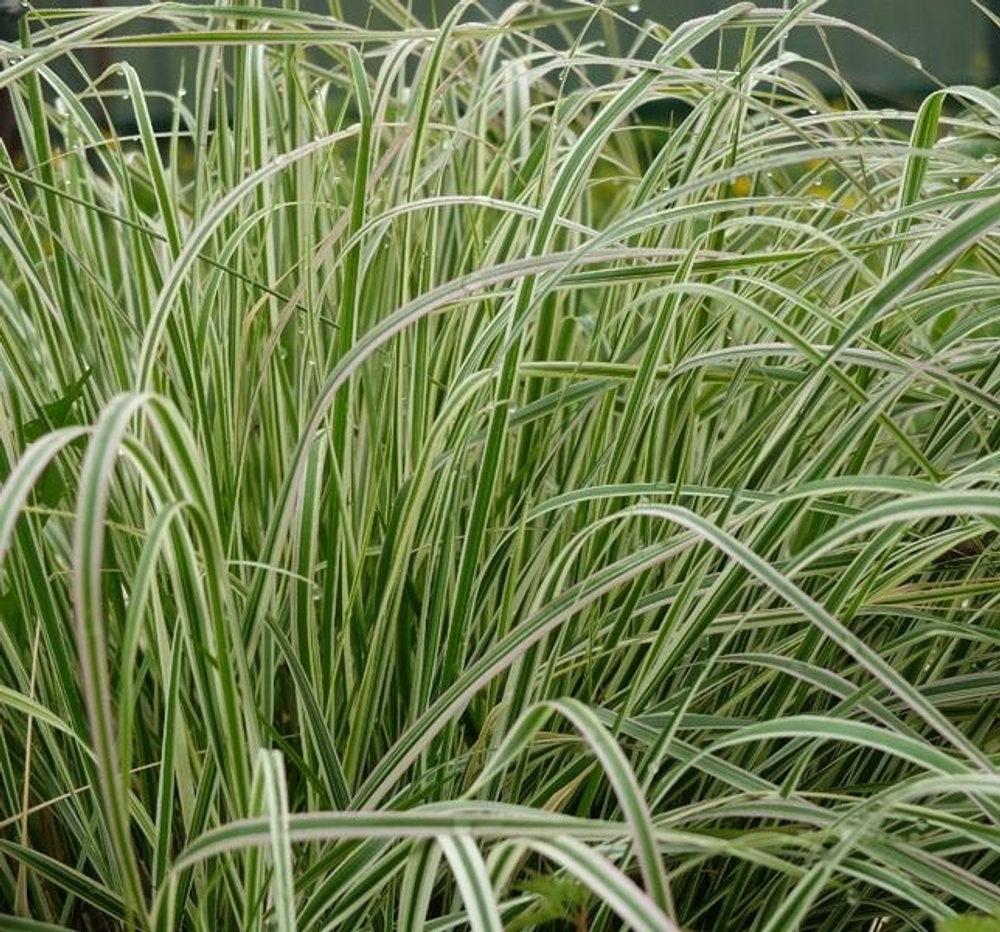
[[813, 111], [917, 63], [634, 7], [989, 158], [956, 180], [182, 92]]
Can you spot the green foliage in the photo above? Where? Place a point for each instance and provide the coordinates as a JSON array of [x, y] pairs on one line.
[[970, 924], [434, 498], [557, 897]]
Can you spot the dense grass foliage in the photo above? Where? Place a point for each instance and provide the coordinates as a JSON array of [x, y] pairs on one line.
[[493, 476]]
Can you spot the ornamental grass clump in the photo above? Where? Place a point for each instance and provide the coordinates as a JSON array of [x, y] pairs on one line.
[[497, 475]]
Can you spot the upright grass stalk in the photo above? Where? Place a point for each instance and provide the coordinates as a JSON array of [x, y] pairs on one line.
[[531, 472]]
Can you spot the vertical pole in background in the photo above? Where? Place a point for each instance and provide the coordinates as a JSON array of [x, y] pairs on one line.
[[100, 61], [10, 12], [994, 44]]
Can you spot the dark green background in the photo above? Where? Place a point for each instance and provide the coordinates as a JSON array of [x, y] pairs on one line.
[[955, 41]]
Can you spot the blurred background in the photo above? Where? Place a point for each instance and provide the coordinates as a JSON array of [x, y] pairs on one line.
[[954, 41]]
